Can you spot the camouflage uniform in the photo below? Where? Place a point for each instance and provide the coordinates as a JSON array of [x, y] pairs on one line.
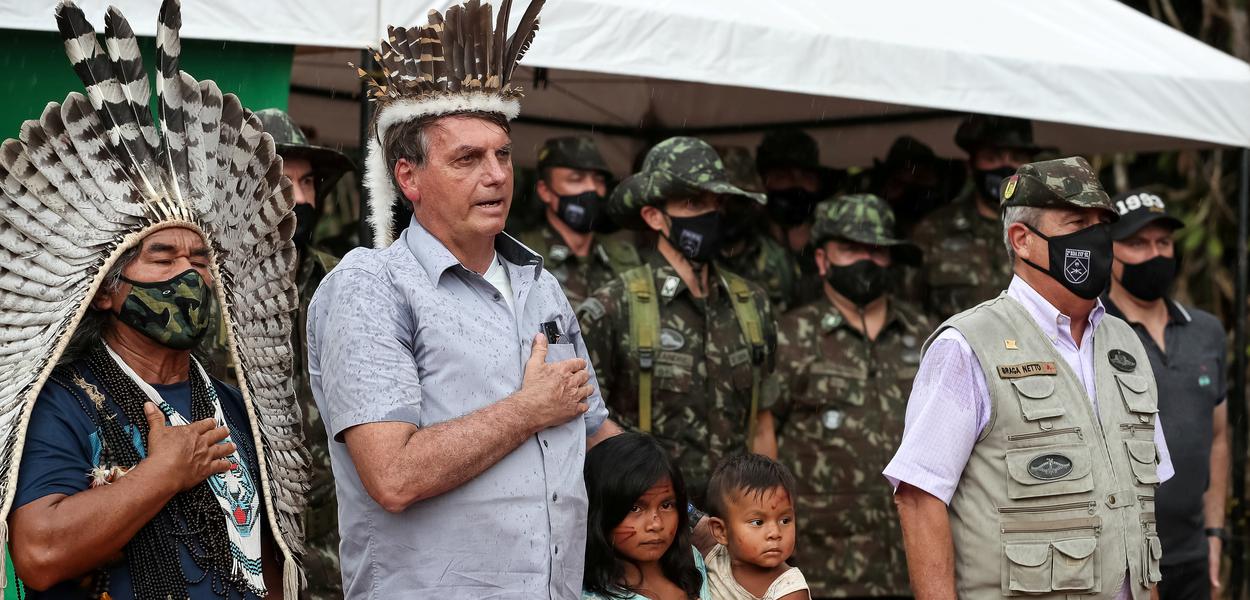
[[578, 275], [703, 364], [760, 258], [965, 260], [839, 400]]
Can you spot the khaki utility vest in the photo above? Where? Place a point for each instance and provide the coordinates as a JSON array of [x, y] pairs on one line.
[[1055, 501]]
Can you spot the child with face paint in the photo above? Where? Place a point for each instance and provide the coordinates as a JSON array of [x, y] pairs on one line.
[[750, 497], [638, 535]]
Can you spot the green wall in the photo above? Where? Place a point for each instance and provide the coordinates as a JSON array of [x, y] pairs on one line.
[[37, 72]]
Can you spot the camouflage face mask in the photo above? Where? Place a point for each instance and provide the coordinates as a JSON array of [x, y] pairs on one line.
[[175, 313]]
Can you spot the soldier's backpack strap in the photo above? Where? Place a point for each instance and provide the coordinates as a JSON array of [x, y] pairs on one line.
[[619, 255], [748, 314], [644, 331]]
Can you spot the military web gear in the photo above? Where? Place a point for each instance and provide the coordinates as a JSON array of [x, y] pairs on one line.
[[644, 336], [458, 63], [1149, 279], [91, 178], [581, 211], [174, 313], [1080, 261]]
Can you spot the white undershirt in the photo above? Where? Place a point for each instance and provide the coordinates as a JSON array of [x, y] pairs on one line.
[[497, 276]]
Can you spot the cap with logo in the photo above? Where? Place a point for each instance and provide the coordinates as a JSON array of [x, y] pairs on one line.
[[1139, 208], [1060, 183]]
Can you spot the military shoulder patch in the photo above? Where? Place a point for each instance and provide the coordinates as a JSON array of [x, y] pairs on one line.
[[1121, 360], [1028, 369]]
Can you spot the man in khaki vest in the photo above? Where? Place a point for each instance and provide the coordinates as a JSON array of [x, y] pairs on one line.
[[1032, 445]]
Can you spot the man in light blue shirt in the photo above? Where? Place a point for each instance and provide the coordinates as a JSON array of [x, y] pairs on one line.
[[458, 431]]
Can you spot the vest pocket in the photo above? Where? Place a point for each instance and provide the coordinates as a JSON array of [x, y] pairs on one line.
[[1134, 389], [1064, 565], [1049, 471], [1037, 397], [1152, 552], [1142, 456]]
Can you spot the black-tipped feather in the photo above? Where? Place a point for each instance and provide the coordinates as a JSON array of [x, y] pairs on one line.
[[171, 97], [134, 115], [520, 41]]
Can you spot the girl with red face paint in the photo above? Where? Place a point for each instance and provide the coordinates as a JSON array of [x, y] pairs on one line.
[[638, 535]]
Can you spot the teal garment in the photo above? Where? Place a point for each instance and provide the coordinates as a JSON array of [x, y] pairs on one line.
[[703, 593]]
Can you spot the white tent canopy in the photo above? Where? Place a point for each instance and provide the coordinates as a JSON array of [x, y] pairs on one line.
[[1095, 75]]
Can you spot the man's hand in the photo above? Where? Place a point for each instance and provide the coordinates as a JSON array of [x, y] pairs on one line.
[[188, 454], [553, 394]]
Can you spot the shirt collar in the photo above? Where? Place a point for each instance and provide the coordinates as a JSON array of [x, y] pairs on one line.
[[435, 258], [830, 319], [1176, 312], [1047, 317]]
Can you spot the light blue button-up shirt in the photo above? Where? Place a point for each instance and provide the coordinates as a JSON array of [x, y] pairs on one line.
[[409, 334]]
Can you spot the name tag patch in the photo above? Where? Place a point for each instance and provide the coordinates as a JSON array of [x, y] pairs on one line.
[[1028, 369]]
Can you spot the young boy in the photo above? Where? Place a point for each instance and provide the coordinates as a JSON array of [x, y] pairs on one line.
[[751, 513]]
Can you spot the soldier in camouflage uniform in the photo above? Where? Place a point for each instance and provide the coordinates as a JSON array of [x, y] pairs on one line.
[[965, 261], [313, 171], [698, 336], [788, 162], [838, 397], [747, 250], [572, 185]]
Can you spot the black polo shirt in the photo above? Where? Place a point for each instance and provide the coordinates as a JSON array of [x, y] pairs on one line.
[[1190, 377]]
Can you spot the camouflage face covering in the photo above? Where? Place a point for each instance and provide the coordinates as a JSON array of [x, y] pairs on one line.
[[175, 313]]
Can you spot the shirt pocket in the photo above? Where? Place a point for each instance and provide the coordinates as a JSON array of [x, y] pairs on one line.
[[831, 385], [1135, 390], [559, 352], [1037, 399], [1047, 471], [674, 371]]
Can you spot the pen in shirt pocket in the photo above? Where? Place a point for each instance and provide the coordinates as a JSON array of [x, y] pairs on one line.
[[551, 329]]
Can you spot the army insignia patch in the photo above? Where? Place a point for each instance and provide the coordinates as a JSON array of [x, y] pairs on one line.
[[1076, 265], [1010, 345], [671, 339], [1049, 467], [832, 419], [670, 286], [1009, 189], [830, 322], [1027, 370], [1121, 360]]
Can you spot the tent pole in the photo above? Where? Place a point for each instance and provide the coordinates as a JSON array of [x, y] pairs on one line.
[[1237, 400]]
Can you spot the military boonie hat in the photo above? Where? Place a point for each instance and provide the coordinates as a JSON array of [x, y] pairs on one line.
[[787, 148], [573, 152], [1060, 183], [740, 166], [678, 167], [861, 218], [290, 142], [1139, 208], [980, 131]]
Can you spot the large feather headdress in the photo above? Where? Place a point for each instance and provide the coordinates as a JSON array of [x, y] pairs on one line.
[[455, 63], [91, 178]]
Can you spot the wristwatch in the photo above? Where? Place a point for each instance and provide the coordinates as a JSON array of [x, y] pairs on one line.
[[1218, 532]]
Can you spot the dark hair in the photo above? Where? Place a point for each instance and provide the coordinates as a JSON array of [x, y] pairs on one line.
[[95, 323], [410, 139], [745, 474], [620, 470]]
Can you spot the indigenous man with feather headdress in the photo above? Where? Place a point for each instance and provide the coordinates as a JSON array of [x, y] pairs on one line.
[[126, 471], [447, 365]]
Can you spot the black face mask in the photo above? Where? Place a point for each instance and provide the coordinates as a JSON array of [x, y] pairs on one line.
[[861, 281], [580, 211], [1151, 279], [791, 206], [1080, 261], [306, 217], [697, 238], [740, 220], [989, 182]]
